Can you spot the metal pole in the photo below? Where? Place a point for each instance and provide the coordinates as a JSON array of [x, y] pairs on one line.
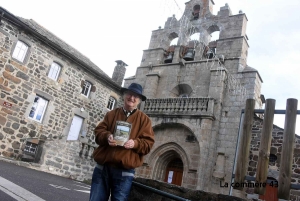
[[236, 149]]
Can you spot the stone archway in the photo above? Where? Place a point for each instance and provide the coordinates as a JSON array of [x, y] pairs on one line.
[[173, 141], [213, 28], [163, 155], [182, 89]]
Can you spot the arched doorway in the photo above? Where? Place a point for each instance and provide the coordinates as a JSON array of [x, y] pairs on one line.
[[174, 172], [172, 142]]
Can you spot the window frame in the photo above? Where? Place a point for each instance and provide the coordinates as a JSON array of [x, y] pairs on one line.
[[29, 146], [83, 89], [38, 108], [17, 48], [109, 105], [54, 65]]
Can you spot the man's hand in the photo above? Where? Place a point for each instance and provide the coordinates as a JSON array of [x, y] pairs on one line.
[[129, 144], [111, 141]]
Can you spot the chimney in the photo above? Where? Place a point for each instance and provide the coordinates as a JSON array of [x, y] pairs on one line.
[[119, 72]]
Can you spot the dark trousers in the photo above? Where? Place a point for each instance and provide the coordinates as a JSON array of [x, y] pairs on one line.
[[112, 181]]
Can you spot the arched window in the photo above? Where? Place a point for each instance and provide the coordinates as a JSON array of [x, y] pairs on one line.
[[111, 103], [54, 71], [196, 12], [174, 41]]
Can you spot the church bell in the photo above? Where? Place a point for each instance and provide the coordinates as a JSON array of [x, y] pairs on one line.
[[189, 55], [169, 58], [210, 53]]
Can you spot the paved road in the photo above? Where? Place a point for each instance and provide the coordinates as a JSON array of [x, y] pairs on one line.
[[24, 184]]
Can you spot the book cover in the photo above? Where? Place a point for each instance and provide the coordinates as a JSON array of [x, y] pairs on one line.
[[122, 132]]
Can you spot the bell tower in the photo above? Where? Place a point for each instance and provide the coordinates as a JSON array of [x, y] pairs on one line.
[[195, 92]]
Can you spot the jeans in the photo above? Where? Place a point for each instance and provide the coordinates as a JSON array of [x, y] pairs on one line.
[[109, 181]]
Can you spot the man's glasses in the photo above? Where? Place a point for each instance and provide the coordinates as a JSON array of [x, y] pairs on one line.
[[129, 94]]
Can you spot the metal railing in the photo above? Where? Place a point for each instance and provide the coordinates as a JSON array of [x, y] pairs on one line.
[[159, 192]]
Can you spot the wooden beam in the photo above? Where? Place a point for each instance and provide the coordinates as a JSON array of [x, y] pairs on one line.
[[287, 153], [244, 145], [264, 147]]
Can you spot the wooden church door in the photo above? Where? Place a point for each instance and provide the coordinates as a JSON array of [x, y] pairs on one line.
[[270, 194], [174, 172]]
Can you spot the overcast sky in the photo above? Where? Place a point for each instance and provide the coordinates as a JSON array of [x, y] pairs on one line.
[[106, 31]]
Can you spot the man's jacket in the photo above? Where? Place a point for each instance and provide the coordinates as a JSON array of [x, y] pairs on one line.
[[141, 132]]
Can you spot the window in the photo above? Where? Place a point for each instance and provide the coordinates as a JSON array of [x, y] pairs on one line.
[[54, 71], [272, 159], [111, 103], [20, 51], [75, 128], [30, 148], [196, 12], [86, 88], [183, 95], [38, 109]]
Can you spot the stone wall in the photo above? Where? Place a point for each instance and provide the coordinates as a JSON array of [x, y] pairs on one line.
[[21, 82], [275, 150], [141, 194]]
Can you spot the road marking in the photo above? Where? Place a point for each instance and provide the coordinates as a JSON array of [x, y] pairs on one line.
[[82, 191], [87, 187], [61, 187], [17, 192]]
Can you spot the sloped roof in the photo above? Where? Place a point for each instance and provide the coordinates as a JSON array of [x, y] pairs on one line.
[[59, 45], [250, 69]]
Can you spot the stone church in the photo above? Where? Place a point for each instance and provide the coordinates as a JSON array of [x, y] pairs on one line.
[[196, 90], [52, 97]]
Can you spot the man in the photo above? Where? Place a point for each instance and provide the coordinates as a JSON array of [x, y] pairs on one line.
[[116, 164]]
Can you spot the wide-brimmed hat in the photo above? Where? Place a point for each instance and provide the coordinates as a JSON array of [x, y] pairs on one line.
[[136, 88]]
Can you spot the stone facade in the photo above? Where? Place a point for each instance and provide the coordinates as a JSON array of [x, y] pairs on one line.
[[54, 150], [194, 99]]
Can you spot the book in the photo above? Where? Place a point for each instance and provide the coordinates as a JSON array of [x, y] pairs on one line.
[[122, 132]]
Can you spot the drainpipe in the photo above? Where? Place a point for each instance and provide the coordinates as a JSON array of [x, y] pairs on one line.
[[236, 149]]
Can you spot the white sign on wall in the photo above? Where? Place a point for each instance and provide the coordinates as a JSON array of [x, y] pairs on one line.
[[170, 176]]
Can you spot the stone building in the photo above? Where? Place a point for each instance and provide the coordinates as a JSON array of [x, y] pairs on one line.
[[52, 97], [196, 90]]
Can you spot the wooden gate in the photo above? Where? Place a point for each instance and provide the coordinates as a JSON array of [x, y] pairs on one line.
[[285, 171]]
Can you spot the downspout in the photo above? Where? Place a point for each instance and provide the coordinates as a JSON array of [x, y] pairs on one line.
[[237, 148]]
